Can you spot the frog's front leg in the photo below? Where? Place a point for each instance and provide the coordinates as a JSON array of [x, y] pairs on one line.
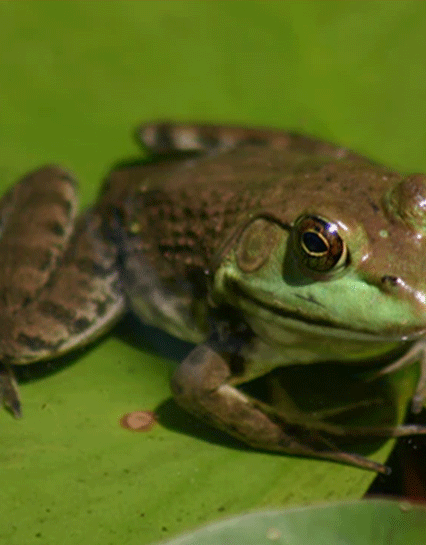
[[417, 353], [202, 386]]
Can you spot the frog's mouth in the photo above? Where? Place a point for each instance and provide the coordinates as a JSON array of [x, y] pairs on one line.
[[291, 319]]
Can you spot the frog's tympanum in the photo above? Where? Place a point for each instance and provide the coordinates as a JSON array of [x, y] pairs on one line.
[[265, 249]]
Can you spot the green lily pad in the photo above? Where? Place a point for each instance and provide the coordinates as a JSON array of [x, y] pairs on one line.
[[377, 522], [76, 78], [69, 459]]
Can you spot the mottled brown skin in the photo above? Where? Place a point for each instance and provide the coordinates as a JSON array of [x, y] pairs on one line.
[[33, 240], [191, 212], [187, 209]]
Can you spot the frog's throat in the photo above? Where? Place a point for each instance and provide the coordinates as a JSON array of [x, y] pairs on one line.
[[301, 322]]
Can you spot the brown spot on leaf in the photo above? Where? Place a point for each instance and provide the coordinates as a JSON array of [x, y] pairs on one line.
[[138, 420]]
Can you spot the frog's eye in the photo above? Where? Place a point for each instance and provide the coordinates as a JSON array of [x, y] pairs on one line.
[[319, 244]]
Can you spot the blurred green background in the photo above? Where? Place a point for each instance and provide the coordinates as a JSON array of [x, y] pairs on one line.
[[75, 80]]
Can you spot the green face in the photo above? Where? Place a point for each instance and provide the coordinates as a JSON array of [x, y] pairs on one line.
[[348, 262]]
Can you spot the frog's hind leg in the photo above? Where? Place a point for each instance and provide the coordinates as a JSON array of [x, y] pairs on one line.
[[82, 300], [36, 221], [60, 288], [166, 138]]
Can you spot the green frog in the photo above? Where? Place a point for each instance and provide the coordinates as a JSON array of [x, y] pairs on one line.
[[263, 248]]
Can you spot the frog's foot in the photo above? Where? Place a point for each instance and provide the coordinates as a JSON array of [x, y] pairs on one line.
[[200, 385], [167, 138], [417, 353], [9, 393]]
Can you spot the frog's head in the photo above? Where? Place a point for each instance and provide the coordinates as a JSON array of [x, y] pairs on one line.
[[343, 252]]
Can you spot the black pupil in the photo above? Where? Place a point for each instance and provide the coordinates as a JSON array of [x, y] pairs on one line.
[[313, 243]]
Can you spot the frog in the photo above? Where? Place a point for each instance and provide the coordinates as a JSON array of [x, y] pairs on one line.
[[263, 248]]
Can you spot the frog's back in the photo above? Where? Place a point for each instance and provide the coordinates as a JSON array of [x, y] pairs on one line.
[[185, 212]]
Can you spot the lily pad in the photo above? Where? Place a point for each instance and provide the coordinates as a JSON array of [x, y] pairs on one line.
[[377, 522], [76, 78]]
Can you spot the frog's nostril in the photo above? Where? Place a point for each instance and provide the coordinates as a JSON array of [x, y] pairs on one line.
[[390, 282]]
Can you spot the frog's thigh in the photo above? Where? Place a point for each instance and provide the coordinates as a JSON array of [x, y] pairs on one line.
[[82, 300]]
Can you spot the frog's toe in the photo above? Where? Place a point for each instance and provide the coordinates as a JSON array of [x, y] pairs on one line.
[[9, 392], [418, 402], [419, 397], [403, 430]]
